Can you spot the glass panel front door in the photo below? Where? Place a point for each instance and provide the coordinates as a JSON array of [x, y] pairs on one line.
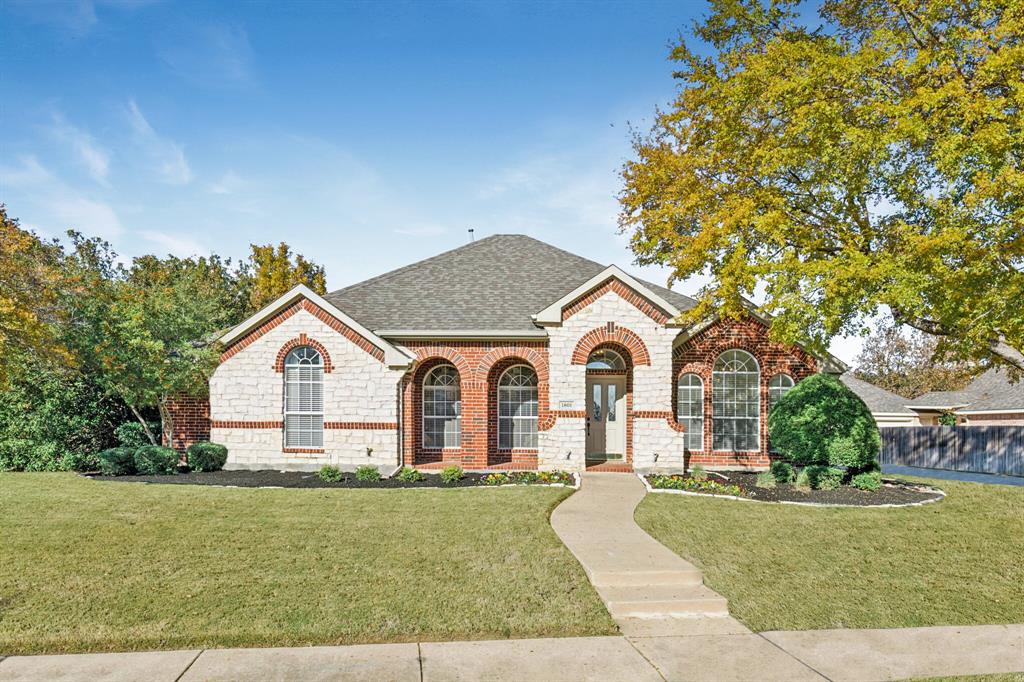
[[606, 424]]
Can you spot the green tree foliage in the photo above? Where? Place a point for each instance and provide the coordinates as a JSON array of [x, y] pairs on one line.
[[821, 421], [870, 158], [272, 271], [910, 364]]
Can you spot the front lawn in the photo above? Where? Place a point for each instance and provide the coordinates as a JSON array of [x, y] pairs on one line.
[[956, 562], [93, 566]]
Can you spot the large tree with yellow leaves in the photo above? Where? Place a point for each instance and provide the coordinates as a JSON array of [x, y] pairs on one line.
[[863, 159]]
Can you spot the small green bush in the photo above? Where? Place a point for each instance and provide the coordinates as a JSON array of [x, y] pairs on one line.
[[367, 473], [783, 472], [410, 475], [823, 477], [869, 480], [803, 480], [698, 473], [330, 474], [156, 460], [205, 456], [766, 479], [132, 435], [117, 462], [821, 421], [452, 474]]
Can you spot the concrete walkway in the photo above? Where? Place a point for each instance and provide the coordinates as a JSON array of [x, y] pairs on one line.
[[947, 475], [839, 655]]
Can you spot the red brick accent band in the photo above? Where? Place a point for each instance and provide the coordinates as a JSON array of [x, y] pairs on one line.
[[352, 426], [621, 336], [298, 342], [222, 424], [625, 292], [303, 451], [317, 312]]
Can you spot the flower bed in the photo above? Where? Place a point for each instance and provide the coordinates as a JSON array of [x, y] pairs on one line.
[[746, 485]]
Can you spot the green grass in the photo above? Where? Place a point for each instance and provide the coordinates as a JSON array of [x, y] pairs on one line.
[[782, 567], [94, 566], [997, 677]]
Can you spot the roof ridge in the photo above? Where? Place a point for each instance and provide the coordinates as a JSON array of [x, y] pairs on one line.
[[390, 273]]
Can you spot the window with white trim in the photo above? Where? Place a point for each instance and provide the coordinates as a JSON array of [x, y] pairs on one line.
[[517, 408], [605, 358], [778, 387], [736, 402], [304, 399], [442, 408], [690, 409]]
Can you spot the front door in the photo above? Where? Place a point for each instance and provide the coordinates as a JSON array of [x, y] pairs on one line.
[[606, 417]]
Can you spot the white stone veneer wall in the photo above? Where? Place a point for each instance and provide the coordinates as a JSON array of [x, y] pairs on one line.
[[652, 388], [360, 388]]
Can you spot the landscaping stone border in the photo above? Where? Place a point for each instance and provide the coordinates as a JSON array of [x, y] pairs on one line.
[[941, 495]]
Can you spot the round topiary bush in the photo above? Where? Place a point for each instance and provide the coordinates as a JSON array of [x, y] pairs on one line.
[[821, 421], [156, 460], [207, 456], [117, 461]]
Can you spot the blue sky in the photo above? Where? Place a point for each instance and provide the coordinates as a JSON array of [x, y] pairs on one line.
[[366, 135]]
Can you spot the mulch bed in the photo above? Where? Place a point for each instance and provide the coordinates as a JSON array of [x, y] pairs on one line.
[[894, 491], [288, 479]]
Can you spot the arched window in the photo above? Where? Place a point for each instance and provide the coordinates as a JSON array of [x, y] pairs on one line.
[[303, 399], [735, 402], [778, 387], [442, 408], [517, 408], [605, 358], [690, 409]]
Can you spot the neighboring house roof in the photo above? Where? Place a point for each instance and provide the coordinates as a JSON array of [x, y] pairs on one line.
[[495, 284], [990, 392], [878, 400]]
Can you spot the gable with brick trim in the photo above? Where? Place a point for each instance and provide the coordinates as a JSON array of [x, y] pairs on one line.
[[505, 353]]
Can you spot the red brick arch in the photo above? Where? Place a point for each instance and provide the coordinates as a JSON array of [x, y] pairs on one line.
[[538, 361], [622, 336], [302, 340], [431, 353]]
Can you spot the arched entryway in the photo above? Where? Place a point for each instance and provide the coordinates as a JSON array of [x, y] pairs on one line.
[[608, 400]]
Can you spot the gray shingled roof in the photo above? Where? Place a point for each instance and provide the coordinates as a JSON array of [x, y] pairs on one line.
[[990, 392], [496, 284], [877, 399]]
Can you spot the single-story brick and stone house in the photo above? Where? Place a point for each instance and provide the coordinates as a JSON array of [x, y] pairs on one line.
[[990, 400], [504, 353]]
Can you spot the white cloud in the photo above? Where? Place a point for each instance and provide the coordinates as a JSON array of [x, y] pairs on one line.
[[211, 56], [229, 183], [92, 156], [176, 245], [59, 202], [171, 166]]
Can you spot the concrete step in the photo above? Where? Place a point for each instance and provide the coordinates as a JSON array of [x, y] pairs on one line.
[[661, 601], [641, 578]]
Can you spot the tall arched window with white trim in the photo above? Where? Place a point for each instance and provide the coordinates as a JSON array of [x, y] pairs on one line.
[[517, 408], [778, 387], [690, 409], [304, 399], [442, 408], [736, 402]]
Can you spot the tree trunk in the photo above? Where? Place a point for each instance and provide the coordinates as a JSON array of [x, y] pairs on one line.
[[166, 421], [145, 426]]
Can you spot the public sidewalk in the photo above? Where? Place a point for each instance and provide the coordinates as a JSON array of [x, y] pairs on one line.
[[840, 655]]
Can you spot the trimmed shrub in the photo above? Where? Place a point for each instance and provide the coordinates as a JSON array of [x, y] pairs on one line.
[[698, 473], [820, 421], [156, 460], [410, 475], [766, 479], [782, 472], [132, 435], [117, 462], [330, 474], [869, 480], [452, 474], [367, 473], [823, 477], [206, 456], [803, 480]]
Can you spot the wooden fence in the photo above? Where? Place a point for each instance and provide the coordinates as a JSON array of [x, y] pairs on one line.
[[983, 449]]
